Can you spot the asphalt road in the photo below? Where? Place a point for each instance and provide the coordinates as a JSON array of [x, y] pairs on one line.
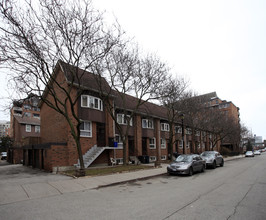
[[235, 191]]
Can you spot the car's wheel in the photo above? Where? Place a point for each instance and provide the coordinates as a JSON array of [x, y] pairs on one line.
[[190, 173], [214, 164], [222, 163]]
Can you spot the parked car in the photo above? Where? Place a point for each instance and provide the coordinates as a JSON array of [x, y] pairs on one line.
[[187, 164], [3, 155], [256, 152], [249, 154], [213, 158]]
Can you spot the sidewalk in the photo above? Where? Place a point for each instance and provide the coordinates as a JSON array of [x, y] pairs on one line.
[[11, 192]]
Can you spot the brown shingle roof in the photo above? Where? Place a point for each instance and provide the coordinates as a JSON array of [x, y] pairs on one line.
[[84, 78]]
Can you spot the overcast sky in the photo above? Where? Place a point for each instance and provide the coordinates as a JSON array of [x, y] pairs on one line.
[[219, 45]]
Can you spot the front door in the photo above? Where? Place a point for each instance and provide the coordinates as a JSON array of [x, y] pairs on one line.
[[100, 135], [131, 146], [144, 146]]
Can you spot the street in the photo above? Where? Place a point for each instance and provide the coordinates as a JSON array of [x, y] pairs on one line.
[[235, 191]]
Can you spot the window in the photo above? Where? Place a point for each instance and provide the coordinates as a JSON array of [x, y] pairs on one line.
[[163, 157], [152, 158], [163, 143], [178, 129], [198, 144], [165, 127], [198, 133], [119, 160], [27, 114], [85, 129], [188, 131], [152, 143], [36, 115], [121, 119], [37, 129], [27, 106], [180, 144], [119, 141], [147, 123], [91, 102], [28, 128]]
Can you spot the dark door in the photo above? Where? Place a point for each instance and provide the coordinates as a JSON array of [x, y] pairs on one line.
[[100, 135], [36, 159], [144, 146], [29, 157], [131, 147]]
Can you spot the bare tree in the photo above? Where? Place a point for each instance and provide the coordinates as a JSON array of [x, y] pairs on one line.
[[35, 37], [130, 72], [173, 91]]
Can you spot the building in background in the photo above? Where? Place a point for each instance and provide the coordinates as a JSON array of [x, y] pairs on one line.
[[259, 144], [24, 127], [231, 111], [4, 128]]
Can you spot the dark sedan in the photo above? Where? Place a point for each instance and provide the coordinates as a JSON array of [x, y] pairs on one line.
[[186, 164]]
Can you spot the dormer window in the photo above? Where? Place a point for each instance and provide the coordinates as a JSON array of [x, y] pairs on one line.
[[91, 102]]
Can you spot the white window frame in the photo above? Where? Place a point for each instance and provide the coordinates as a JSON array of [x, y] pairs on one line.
[[119, 161], [180, 144], [197, 133], [152, 145], [163, 157], [121, 119], [28, 128], [178, 129], [86, 132], [147, 123], [37, 128], [119, 141], [163, 143], [188, 131], [91, 102], [153, 158], [165, 127]]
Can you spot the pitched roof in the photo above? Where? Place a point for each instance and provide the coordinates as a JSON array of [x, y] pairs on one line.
[[147, 108], [83, 78]]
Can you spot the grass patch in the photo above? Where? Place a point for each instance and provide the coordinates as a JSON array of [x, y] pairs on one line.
[[109, 170]]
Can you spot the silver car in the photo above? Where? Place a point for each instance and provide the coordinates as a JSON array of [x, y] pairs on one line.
[[249, 154], [186, 164], [213, 158]]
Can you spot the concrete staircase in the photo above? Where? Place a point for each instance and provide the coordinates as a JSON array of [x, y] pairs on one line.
[[90, 156]]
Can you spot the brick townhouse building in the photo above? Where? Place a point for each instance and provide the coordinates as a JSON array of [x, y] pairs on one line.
[[25, 126], [148, 133]]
